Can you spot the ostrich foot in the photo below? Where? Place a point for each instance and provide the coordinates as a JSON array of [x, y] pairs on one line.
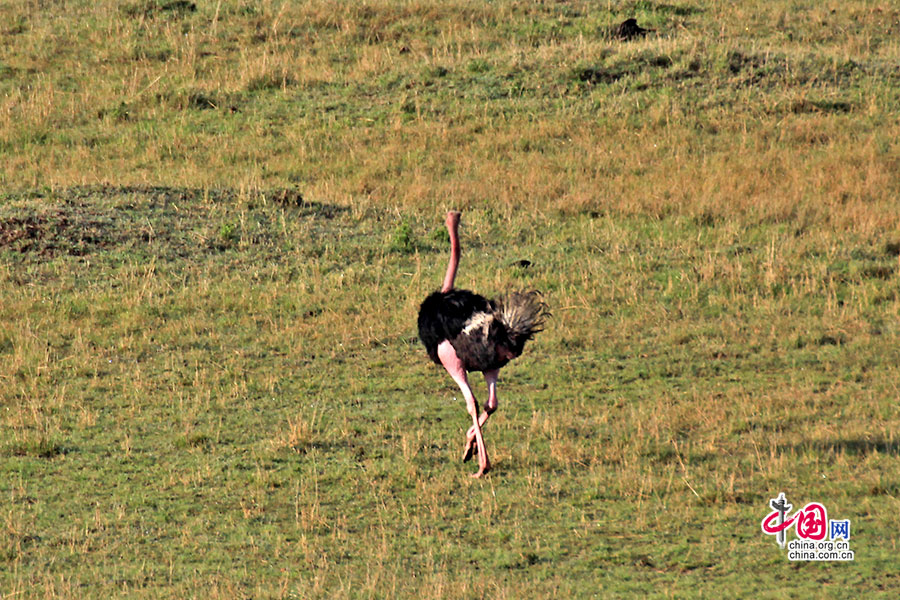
[[482, 469]]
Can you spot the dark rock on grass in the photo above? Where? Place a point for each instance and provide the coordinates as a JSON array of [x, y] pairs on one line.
[[628, 30]]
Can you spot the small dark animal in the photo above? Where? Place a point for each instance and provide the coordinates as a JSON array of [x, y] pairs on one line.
[[464, 332], [628, 30]]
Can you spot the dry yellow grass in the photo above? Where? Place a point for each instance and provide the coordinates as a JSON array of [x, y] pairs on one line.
[[763, 108]]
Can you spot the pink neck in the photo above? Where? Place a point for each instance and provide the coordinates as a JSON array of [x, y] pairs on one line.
[[452, 228]]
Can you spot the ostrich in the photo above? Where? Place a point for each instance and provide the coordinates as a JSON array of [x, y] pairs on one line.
[[463, 332]]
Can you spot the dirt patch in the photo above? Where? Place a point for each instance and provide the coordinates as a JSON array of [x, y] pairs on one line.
[[53, 232], [148, 219]]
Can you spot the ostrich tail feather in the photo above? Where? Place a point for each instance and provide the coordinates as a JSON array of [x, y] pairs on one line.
[[523, 314]]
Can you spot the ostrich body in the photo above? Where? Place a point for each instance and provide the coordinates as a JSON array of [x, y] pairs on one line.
[[464, 332]]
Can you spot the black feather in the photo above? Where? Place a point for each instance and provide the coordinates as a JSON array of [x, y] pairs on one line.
[[486, 334], [443, 315]]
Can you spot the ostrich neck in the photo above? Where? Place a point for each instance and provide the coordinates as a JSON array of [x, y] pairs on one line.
[[452, 228]]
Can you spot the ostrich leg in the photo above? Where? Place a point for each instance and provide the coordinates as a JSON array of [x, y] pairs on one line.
[[490, 377], [455, 367]]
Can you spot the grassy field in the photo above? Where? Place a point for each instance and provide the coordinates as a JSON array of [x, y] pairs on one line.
[[217, 220]]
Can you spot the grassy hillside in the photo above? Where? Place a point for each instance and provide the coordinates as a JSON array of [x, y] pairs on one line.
[[774, 108], [217, 221]]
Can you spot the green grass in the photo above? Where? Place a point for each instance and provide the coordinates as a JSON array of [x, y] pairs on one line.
[[187, 415], [217, 221]]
